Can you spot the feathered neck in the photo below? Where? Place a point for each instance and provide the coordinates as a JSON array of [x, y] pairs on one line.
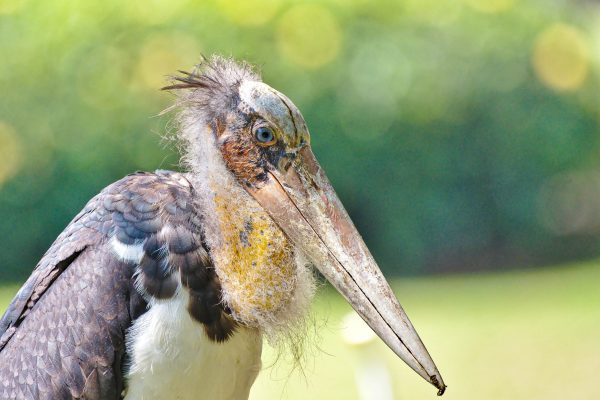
[[265, 281]]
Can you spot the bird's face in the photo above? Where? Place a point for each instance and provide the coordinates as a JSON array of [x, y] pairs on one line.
[[264, 133], [266, 145]]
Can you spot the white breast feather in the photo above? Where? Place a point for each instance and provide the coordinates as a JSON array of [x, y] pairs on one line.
[[172, 358]]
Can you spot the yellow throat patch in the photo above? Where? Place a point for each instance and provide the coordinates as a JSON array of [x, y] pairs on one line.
[[256, 264]]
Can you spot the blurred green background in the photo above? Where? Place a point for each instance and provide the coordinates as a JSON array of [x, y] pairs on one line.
[[463, 136]]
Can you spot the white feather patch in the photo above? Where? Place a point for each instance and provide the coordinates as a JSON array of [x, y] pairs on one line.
[[128, 253], [172, 358]]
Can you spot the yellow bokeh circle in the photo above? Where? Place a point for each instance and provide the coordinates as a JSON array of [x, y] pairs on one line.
[[249, 12], [154, 12], [309, 36], [11, 6], [561, 57], [163, 55], [491, 6]]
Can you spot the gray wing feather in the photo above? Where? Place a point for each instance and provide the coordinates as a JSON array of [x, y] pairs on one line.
[[64, 249]]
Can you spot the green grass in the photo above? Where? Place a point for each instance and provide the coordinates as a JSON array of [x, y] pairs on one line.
[[7, 292], [519, 335]]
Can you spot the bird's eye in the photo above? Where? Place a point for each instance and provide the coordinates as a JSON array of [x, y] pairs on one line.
[[264, 135]]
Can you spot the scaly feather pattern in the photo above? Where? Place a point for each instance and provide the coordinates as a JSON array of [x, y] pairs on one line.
[[137, 242]]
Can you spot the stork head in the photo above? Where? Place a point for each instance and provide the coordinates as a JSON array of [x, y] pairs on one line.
[[263, 141]]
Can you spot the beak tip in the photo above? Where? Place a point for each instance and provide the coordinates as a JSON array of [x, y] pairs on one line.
[[438, 384]]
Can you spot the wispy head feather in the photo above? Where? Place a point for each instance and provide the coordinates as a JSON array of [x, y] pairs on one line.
[[216, 73], [213, 85]]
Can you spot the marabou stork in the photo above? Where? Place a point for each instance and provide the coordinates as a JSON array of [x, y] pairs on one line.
[[165, 284]]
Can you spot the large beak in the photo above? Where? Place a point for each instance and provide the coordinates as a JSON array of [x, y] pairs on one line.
[[305, 206]]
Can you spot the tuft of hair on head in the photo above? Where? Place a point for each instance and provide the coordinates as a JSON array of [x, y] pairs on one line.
[[213, 83], [214, 73], [204, 97]]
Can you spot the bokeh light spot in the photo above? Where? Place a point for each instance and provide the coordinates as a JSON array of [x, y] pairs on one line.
[[364, 120], [380, 72], [11, 154], [561, 57], [11, 6], [162, 56], [155, 12], [97, 68], [249, 12], [309, 35], [434, 12], [379, 75], [491, 6]]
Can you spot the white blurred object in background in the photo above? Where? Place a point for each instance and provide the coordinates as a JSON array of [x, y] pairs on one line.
[[372, 376]]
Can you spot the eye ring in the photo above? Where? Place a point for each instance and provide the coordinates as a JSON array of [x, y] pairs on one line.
[[264, 135]]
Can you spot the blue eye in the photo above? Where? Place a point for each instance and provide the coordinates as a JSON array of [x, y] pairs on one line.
[[264, 135]]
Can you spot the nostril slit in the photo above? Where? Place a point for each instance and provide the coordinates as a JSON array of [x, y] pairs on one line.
[[288, 164], [288, 160]]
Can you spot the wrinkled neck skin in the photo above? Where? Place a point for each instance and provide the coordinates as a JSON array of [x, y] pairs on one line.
[[265, 280]]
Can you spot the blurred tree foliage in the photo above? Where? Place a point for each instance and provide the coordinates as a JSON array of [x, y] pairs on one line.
[[445, 126]]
